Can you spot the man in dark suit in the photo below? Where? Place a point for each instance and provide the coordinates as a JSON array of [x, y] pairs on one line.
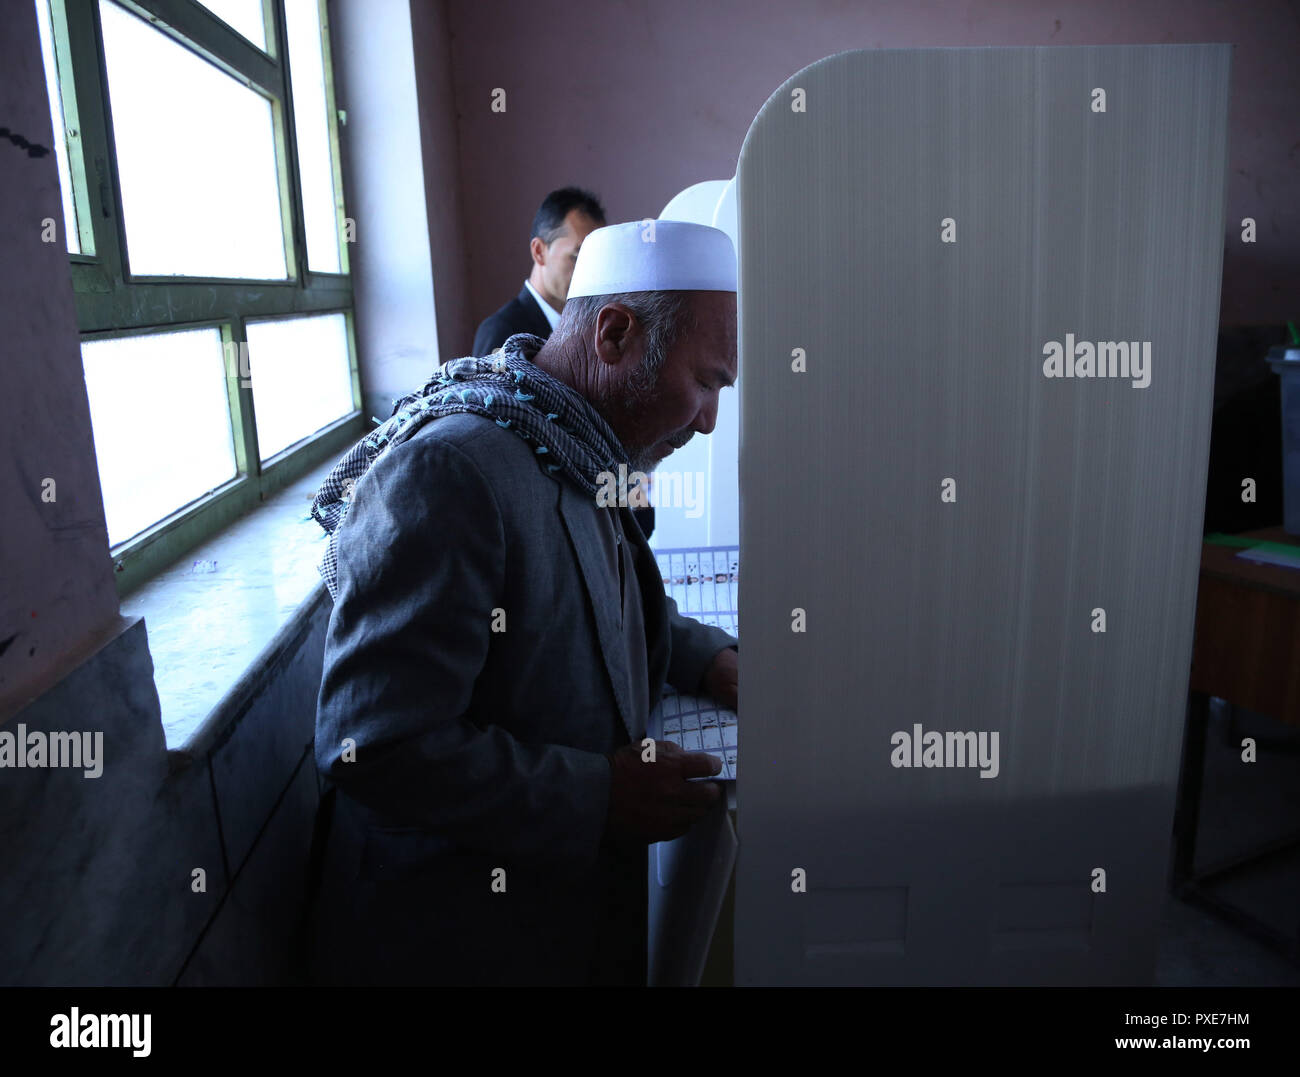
[[565, 218], [562, 222], [500, 635]]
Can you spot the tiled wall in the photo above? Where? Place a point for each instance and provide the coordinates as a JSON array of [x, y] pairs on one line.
[[99, 883]]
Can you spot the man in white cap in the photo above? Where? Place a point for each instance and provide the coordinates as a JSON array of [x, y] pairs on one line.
[[500, 635]]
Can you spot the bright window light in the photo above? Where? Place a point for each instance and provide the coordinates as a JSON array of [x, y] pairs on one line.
[[302, 380], [244, 16], [58, 125], [195, 159], [311, 123], [161, 419]]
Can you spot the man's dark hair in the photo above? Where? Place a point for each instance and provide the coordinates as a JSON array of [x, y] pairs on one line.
[[549, 221]]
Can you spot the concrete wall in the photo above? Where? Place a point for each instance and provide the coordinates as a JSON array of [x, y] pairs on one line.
[[640, 99], [99, 885]]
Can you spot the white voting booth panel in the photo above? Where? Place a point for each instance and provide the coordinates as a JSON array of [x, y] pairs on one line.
[[695, 490], [724, 442], [935, 532], [695, 204], [688, 877]]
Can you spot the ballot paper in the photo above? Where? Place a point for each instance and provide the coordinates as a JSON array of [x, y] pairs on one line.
[[1272, 557], [698, 725], [703, 582]]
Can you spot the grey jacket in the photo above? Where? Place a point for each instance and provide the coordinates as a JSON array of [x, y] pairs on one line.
[[458, 750]]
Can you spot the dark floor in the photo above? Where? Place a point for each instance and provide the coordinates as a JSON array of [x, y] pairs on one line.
[[1244, 806]]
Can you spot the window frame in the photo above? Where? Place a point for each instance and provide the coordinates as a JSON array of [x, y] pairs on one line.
[[113, 302]]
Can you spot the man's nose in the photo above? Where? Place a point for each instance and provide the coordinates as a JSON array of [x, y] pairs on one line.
[[707, 419]]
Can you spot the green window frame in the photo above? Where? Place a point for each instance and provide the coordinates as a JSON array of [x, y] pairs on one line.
[[113, 302]]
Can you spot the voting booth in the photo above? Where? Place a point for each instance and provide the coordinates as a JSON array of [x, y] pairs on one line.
[[696, 498], [978, 302], [696, 536]]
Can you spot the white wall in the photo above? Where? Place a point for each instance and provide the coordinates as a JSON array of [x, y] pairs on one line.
[[397, 325]]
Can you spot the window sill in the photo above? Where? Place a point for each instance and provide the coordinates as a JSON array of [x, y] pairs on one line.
[[216, 618]]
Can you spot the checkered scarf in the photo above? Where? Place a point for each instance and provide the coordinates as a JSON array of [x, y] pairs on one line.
[[570, 437]]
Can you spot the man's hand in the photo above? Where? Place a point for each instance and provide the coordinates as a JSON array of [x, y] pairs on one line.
[[721, 678], [651, 802]]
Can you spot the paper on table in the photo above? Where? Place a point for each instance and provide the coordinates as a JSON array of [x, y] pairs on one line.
[[1269, 557]]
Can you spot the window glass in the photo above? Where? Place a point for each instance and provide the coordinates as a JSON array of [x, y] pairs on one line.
[[59, 127], [161, 419], [195, 158], [312, 129], [301, 377]]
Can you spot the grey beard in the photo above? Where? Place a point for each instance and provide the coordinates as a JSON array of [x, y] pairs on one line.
[[633, 399], [642, 461], [639, 386]]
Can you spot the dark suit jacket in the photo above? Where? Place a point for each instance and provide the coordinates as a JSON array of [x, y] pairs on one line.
[[459, 749], [520, 315]]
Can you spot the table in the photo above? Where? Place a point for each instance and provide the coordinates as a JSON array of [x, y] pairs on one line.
[[1246, 651]]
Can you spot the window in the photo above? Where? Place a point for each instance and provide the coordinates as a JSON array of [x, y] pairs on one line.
[[203, 213], [302, 380], [246, 16], [159, 413], [310, 93], [65, 125], [195, 152]]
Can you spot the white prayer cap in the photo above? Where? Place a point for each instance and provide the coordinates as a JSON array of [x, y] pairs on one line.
[[654, 256]]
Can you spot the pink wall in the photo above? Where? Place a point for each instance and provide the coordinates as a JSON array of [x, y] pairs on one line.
[[639, 99], [437, 113], [57, 597]]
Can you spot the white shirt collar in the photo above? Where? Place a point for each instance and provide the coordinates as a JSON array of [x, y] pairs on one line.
[[552, 315]]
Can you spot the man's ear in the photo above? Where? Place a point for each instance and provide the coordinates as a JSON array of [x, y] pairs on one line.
[[538, 250], [612, 325]]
